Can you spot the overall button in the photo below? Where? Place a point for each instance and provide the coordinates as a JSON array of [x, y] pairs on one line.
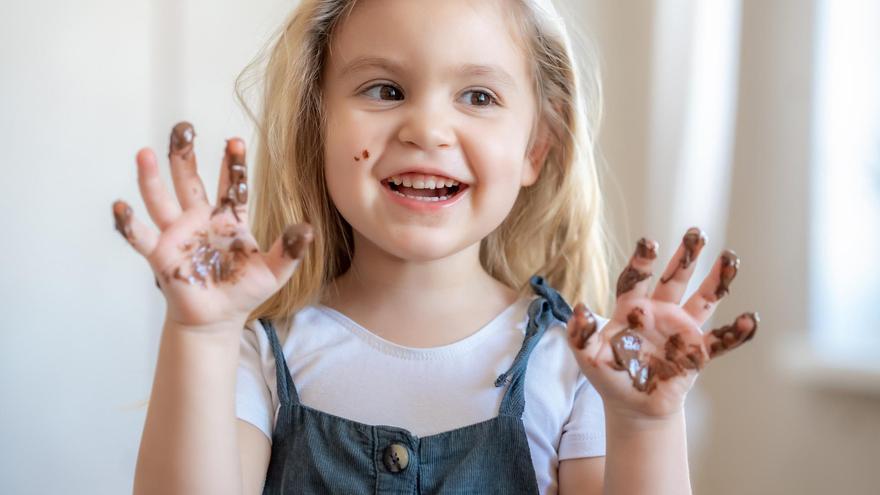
[[396, 457]]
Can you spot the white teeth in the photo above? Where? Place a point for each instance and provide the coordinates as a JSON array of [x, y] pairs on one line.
[[420, 198], [422, 181]]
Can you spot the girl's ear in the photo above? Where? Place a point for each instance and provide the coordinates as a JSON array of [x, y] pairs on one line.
[[536, 156]]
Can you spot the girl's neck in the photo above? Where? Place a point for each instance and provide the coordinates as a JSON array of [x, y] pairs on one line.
[[447, 299]]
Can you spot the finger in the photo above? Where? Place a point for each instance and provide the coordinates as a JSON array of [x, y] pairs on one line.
[[187, 183], [675, 279], [728, 337], [716, 285], [582, 337], [160, 205], [141, 237], [635, 278], [232, 190], [287, 252]]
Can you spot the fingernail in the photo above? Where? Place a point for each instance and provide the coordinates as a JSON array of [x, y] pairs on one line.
[[729, 269], [238, 189], [122, 215], [181, 142], [295, 239], [646, 248]]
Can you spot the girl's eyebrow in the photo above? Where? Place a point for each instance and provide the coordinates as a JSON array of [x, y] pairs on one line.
[[493, 72]]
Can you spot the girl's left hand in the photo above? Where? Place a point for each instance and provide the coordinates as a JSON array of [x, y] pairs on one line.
[[646, 358]]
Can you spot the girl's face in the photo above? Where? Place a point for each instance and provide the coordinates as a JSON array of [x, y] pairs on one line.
[[417, 86]]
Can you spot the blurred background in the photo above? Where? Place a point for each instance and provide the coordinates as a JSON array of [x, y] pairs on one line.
[[758, 120]]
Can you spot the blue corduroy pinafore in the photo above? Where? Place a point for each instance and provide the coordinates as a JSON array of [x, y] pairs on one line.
[[316, 452]]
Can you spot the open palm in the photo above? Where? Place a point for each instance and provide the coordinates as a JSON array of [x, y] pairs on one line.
[[646, 358], [206, 261]]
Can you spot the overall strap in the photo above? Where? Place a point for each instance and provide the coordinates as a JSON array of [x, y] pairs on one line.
[[542, 313], [286, 389]]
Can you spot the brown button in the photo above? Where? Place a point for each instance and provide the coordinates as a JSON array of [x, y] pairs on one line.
[[396, 457]]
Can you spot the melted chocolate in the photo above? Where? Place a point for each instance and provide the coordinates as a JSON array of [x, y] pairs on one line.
[[295, 239], [729, 269], [365, 154], [237, 193], [631, 276], [181, 143], [731, 336], [693, 241], [122, 215], [209, 263], [685, 356], [583, 327]]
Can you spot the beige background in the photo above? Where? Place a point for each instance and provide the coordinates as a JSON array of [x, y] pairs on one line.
[[87, 83]]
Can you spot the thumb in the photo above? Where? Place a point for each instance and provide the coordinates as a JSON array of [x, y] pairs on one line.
[[287, 252]]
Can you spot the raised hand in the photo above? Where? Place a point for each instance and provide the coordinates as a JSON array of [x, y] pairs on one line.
[[647, 357], [205, 259]]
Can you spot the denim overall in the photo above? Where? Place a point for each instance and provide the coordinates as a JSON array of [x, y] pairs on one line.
[[317, 452]]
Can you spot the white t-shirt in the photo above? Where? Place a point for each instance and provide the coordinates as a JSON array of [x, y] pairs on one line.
[[341, 368]]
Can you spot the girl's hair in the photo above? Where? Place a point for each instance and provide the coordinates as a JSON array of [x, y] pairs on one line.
[[555, 227]]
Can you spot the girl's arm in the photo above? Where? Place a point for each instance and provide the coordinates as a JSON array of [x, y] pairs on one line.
[[646, 358], [213, 275], [189, 441], [646, 455]]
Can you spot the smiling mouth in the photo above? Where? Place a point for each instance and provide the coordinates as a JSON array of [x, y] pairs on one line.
[[425, 194]]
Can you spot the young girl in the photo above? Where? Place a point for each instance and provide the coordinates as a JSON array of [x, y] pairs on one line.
[[397, 323]]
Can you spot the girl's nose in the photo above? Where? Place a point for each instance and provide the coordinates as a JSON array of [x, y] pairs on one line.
[[427, 125]]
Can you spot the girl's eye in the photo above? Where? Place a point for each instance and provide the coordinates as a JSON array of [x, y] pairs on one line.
[[481, 98], [384, 92]]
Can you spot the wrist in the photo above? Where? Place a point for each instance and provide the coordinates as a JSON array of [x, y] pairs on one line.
[[623, 419]]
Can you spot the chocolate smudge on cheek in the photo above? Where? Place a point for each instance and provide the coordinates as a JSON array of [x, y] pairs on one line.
[[583, 327], [208, 263], [181, 142], [122, 215], [631, 276], [729, 269], [693, 241], [365, 154], [295, 239], [732, 336]]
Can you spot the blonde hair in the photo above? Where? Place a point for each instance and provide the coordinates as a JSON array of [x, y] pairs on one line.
[[554, 229]]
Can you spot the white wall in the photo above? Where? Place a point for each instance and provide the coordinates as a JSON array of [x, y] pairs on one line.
[[84, 85]]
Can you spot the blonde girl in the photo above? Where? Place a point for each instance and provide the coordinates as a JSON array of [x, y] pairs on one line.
[[391, 316]]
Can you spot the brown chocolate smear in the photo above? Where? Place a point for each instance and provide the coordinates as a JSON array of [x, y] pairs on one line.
[[646, 248], [685, 356], [627, 349], [122, 215], [636, 318], [295, 239], [182, 136], [693, 241], [731, 336], [629, 278], [237, 193], [729, 269], [209, 263], [365, 154], [357, 158], [583, 327]]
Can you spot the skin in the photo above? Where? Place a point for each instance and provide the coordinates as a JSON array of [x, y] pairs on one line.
[[429, 114], [645, 360]]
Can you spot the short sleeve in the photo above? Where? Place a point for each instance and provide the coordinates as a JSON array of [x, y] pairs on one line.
[[583, 435], [253, 397]]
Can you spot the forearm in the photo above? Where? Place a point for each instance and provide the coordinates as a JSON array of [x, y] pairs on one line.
[[646, 455], [189, 443]]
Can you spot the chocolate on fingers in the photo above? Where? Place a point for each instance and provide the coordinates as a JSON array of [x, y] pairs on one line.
[[673, 282], [638, 270], [702, 303], [187, 183], [233, 193]]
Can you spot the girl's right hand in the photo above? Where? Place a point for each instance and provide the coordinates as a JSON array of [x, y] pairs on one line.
[[205, 259]]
